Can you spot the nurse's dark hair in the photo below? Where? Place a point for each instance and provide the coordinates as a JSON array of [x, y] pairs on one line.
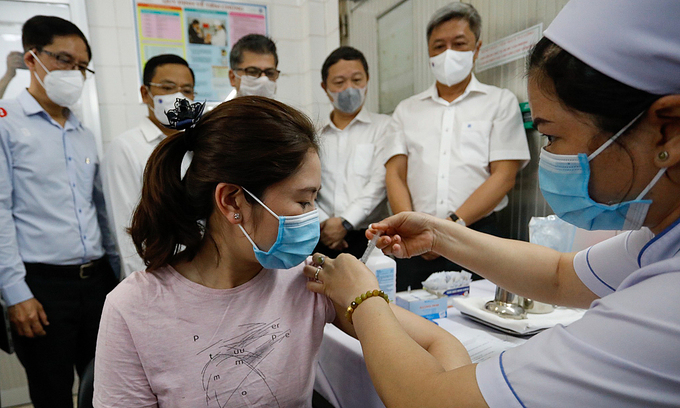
[[251, 141], [39, 31], [342, 53], [579, 87]]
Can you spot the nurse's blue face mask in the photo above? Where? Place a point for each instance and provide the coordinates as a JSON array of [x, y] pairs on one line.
[[564, 179], [296, 239]]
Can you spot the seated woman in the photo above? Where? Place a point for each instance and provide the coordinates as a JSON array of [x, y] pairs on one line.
[[222, 316]]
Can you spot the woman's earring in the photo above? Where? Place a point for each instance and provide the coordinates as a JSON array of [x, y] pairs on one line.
[[663, 156], [237, 216]]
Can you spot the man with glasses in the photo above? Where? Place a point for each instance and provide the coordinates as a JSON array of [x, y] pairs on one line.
[[253, 61], [166, 77], [54, 236]]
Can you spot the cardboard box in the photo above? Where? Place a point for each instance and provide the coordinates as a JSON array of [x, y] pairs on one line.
[[423, 303]]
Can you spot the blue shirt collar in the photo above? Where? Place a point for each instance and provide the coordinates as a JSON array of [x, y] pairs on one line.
[[31, 107]]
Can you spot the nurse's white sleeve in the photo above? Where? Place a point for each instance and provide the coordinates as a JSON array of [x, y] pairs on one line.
[[603, 266], [622, 353], [494, 386]]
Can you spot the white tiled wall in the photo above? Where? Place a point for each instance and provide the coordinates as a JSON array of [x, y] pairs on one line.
[[305, 32]]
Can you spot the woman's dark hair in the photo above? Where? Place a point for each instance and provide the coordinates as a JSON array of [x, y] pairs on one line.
[[579, 87], [251, 141]]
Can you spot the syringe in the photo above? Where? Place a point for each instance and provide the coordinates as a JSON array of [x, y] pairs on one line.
[[371, 247]]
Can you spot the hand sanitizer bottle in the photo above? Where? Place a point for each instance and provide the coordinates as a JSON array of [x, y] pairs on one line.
[[385, 269]]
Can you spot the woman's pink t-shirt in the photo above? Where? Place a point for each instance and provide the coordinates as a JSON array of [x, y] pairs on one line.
[[167, 341]]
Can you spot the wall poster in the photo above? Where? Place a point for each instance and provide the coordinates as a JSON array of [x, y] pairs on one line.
[[200, 31]]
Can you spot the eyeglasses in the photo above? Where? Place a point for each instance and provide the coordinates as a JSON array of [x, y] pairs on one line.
[[170, 88], [255, 72], [67, 62]]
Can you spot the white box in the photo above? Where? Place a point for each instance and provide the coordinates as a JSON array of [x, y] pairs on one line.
[[423, 303]]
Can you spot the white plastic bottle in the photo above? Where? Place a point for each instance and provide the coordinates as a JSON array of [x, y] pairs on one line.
[[385, 269]]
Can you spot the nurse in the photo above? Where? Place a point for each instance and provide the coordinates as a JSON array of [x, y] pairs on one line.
[[607, 96]]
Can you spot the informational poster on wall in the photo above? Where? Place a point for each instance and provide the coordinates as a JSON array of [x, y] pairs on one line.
[[200, 31]]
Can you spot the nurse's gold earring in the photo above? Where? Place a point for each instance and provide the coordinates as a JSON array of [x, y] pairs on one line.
[[663, 156]]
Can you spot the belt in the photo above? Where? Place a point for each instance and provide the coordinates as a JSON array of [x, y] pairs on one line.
[[82, 271]]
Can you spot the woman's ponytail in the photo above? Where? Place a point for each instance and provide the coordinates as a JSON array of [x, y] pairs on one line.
[[163, 222]]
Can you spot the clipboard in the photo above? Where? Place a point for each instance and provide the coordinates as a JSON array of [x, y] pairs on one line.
[[6, 343]]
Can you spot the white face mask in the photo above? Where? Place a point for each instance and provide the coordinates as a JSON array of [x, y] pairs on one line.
[[163, 103], [63, 87], [261, 86], [452, 67]]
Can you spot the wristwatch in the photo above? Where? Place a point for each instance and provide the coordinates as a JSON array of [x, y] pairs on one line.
[[346, 224], [455, 218]]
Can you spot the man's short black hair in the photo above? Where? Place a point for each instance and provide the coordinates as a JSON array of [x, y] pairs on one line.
[[39, 31], [158, 60], [256, 43], [342, 53]]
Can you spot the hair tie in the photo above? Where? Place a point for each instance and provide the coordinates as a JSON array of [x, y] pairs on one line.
[[185, 116]]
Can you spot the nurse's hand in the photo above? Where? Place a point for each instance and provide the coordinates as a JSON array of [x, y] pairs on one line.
[[406, 234], [342, 279]]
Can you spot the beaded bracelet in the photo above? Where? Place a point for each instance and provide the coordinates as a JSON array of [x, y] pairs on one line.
[[352, 307]]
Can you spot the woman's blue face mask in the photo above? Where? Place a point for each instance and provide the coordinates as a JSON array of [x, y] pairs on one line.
[[296, 239], [564, 179]]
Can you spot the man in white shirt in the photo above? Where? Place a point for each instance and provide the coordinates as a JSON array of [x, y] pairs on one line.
[[253, 61], [166, 78], [352, 191], [458, 145]]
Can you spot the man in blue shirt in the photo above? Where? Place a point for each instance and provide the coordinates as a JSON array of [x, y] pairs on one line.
[[54, 236]]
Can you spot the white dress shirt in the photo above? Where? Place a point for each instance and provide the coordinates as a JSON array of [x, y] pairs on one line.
[[352, 171], [450, 145], [123, 164], [622, 353]]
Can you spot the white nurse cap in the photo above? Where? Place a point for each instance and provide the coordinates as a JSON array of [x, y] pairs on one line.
[[636, 42]]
